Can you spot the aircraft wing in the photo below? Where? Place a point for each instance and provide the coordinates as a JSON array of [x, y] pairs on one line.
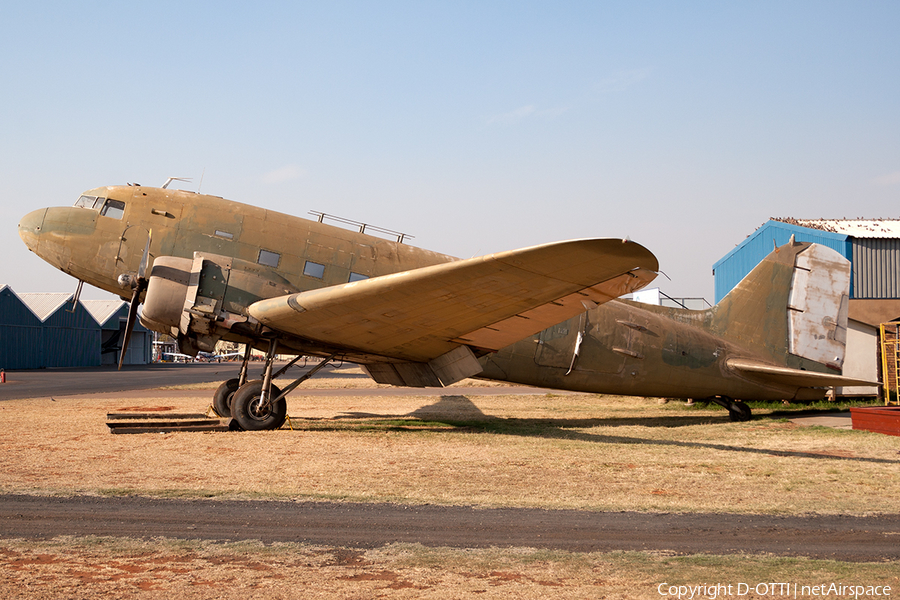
[[793, 377], [486, 302]]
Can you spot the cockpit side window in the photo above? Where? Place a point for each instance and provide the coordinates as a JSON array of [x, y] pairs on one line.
[[113, 208], [92, 202]]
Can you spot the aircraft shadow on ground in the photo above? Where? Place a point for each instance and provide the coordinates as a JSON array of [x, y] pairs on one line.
[[459, 413]]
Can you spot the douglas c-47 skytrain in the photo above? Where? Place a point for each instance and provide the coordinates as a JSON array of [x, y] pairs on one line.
[[207, 269]]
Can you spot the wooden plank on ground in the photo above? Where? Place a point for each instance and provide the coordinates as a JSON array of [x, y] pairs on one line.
[[164, 423]]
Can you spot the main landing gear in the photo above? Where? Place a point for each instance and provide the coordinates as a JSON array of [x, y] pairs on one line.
[[258, 404], [737, 410]]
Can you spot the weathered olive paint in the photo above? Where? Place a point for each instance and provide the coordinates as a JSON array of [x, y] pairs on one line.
[[183, 223], [98, 249], [638, 349], [619, 347]]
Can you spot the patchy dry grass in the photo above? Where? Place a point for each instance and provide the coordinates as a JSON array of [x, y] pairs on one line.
[[553, 451], [79, 568]]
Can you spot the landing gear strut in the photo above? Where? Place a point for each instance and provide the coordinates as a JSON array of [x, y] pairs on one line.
[[737, 410], [258, 404]]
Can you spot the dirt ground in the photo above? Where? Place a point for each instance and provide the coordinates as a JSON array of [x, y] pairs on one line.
[[86, 568], [573, 452]]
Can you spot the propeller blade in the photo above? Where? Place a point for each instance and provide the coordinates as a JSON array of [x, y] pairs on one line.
[[140, 285], [132, 319]]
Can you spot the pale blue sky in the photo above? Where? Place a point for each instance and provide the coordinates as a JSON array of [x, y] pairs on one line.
[[474, 126]]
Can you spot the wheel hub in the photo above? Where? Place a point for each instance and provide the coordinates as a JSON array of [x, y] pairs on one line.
[[258, 410]]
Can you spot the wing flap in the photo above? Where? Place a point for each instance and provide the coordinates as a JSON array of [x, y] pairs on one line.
[[421, 314], [444, 370], [793, 377]]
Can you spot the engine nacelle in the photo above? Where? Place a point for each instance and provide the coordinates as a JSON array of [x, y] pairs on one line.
[[166, 293], [198, 301]]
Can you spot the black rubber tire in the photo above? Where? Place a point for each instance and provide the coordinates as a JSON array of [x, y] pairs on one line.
[[739, 412], [222, 398], [245, 408]]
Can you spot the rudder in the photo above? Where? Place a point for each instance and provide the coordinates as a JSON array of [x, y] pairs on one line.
[[792, 307]]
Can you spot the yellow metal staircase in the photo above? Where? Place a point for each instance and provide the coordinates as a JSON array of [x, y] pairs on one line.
[[890, 362]]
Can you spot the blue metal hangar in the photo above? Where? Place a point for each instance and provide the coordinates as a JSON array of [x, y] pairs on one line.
[[873, 248], [43, 330]]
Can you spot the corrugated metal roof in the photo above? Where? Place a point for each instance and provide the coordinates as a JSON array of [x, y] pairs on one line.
[[44, 304], [872, 246], [732, 267], [860, 228], [102, 310]]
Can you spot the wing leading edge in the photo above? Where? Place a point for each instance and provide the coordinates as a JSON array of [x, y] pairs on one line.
[[488, 302]]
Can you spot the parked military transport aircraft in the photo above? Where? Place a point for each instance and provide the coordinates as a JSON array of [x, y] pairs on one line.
[[206, 269]]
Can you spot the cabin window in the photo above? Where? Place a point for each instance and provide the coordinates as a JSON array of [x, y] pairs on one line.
[[113, 208], [314, 270], [89, 202], [357, 277], [269, 259]]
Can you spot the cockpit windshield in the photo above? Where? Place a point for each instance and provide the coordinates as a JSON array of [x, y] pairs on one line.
[[107, 206], [90, 202]]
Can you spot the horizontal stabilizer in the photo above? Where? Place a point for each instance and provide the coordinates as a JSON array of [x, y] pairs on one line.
[[792, 377]]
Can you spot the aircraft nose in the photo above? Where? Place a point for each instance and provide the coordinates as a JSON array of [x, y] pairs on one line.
[[30, 227]]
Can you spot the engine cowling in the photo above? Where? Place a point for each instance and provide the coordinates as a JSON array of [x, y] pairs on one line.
[[198, 301], [170, 278]]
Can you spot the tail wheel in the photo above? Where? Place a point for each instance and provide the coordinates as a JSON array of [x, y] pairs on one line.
[[739, 411], [251, 414], [222, 398]]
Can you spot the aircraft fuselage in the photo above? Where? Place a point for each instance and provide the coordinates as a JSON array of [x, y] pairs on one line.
[[632, 349], [98, 243], [255, 254]]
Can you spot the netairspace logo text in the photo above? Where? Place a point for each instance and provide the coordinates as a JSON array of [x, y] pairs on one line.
[[711, 591]]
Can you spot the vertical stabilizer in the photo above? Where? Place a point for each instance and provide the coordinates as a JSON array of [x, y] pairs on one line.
[[791, 308]]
